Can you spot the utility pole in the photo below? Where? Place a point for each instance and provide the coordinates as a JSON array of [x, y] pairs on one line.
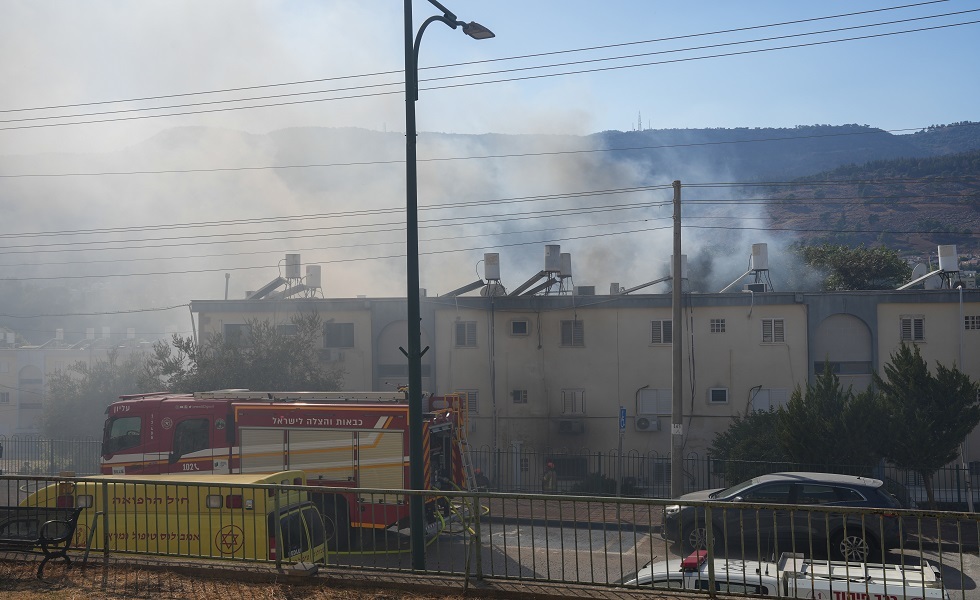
[[677, 387]]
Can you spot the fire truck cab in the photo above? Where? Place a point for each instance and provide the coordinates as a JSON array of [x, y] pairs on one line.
[[340, 440]]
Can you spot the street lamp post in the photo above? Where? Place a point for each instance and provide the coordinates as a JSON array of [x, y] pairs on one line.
[[414, 353]]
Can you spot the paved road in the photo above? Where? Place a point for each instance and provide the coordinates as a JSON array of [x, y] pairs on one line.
[[598, 555]]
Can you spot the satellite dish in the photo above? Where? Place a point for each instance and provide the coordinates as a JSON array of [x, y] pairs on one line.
[[493, 289], [919, 270], [933, 283]]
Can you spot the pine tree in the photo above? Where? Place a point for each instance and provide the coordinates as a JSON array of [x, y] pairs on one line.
[[927, 417]]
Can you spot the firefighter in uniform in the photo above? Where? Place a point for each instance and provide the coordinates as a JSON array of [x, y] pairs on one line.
[[549, 481]]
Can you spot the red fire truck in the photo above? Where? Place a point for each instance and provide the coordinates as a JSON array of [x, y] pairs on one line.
[[340, 439]]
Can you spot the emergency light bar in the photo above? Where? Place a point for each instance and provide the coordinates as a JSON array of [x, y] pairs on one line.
[[694, 560]]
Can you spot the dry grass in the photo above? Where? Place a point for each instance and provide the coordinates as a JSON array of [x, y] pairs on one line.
[[17, 582]]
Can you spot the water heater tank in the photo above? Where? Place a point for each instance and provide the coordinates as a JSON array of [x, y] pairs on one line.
[[491, 266], [292, 266], [949, 261], [552, 258], [683, 266], [760, 257], [313, 276], [565, 262]]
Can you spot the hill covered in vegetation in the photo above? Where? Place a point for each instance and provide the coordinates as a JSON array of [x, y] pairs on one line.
[[910, 204]]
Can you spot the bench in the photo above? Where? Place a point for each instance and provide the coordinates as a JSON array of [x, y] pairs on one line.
[[42, 530]]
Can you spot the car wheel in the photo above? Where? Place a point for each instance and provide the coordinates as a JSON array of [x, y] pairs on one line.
[[854, 546], [695, 537]]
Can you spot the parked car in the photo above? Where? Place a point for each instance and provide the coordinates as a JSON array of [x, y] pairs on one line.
[[794, 576], [779, 515]]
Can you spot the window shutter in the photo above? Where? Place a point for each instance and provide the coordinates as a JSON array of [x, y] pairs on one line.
[[466, 334], [661, 331], [777, 330], [572, 333]]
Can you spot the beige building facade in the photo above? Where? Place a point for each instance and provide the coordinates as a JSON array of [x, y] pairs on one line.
[[553, 371], [25, 372]]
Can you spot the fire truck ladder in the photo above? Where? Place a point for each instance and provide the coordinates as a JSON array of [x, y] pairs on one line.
[[460, 403]]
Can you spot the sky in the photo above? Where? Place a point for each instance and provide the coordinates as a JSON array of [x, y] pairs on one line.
[[114, 86], [61, 52]]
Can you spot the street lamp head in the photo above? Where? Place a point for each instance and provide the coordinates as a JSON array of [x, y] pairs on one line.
[[477, 31]]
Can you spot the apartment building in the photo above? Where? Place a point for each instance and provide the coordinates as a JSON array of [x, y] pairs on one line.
[[554, 370], [26, 369]]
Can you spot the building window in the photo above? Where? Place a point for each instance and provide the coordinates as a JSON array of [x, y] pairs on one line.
[[4, 397], [573, 402], [717, 326], [519, 396], [472, 401], [661, 332], [338, 335], [773, 331], [466, 334], [572, 333], [191, 435], [770, 399], [654, 402], [844, 367], [718, 396], [521, 327], [971, 322], [237, 334], [913, 328]]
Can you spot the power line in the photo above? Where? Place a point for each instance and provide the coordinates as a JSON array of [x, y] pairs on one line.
[[450, 86], [318, 232], [498, 245], [486, 73], [95, 314], [360, 229], [490, 156], [343, 214], [521, 57]]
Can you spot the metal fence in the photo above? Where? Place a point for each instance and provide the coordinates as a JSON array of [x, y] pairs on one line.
[[33, 455], [648, 475], [597, 541], [581, 471]]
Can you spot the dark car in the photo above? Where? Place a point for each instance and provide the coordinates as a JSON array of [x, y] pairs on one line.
[[783, 517]]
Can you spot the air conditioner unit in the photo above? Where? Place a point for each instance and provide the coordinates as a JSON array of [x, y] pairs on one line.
[[571, 426], [647, 423], [754, 287]]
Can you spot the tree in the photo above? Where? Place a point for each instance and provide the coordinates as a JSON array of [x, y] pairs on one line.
[[266, 357], [79, 395], [856, 268], [749, 445], [824, 424], [928, 416]]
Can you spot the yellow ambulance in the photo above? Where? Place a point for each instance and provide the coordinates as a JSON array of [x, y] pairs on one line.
[[230, 517]]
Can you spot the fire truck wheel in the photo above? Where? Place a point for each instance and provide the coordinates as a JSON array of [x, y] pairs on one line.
[[695, 537], [336, 524], [854, 546]]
